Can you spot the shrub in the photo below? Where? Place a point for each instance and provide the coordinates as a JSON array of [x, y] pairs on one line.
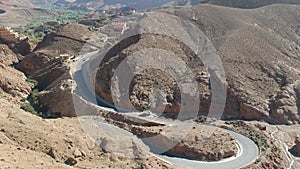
[[262, 143], [27, 107], [35, 96], [34, 106], [63, 59], [36, 83]]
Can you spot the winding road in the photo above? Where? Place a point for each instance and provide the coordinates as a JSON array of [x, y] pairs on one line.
[[248, 150], [284, 147]]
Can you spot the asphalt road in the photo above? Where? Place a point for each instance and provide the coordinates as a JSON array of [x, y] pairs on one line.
[[247, 155], [248, 150]]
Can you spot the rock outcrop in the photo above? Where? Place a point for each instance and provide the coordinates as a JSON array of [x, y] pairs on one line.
[[23, 47], [7, 56], [12, 81], [150, 89], [193, 144], [50, 65], [43, 68], [296, 148], [69, 39], [255, 74], [286, 104]]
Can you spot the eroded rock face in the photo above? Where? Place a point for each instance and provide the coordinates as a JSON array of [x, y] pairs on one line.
[[190, 142], [54, 75], [148, 91], [59, 99], [152, 87], [12, 81], [7, 56], [43, 68], [286, 104], [52, 71], [196, 147], [23, 47]]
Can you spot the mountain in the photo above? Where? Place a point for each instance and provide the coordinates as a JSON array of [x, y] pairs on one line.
[[16, 3], [250, 3], [246, 4], [145, 4], [20, 12], [138, 4], [80, 4]]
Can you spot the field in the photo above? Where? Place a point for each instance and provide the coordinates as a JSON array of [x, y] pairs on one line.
[[58, 16]]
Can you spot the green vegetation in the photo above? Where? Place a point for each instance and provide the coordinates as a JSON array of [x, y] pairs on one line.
[[35, 96], [27, 107], [34, 106], [63, 59], [262, 143], [38, 106], [36, 83], [59, 16]]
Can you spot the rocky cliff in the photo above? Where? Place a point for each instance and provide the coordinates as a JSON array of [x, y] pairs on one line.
[[50, 63], [12, 81]]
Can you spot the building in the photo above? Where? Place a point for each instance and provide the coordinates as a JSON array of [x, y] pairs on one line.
[[8, 35], [118, 26]]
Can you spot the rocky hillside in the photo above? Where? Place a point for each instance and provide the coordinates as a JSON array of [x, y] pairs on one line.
[[28, 141], [259, 49], [145, 4], [16, 3], [65, 40], [80, 4], [247, 4], [20, 12], [12, 81], [63, 143], [49, 65], [255, 74]]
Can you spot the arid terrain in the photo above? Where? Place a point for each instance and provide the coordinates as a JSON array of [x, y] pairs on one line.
[[51, 119], [257, 77]]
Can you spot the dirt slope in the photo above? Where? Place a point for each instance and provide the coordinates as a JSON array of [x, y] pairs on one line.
[[260, 53]]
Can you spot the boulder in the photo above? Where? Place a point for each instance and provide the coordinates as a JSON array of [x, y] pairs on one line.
[[296, 148], [286, 104]]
